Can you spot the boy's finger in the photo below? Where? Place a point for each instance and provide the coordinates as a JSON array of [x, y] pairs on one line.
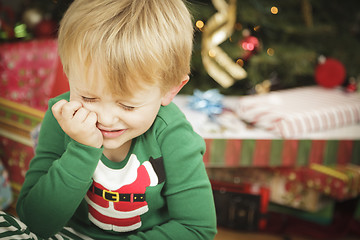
[[91, 119], [69, 109], [81, 114], [56, 108]]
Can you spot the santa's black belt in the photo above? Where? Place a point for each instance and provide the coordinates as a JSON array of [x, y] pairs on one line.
[[118, 197]]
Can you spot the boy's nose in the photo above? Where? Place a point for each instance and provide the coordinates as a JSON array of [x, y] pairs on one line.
[[107, 116]]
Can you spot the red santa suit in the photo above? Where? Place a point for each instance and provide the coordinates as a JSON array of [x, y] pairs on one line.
[[116, 200]]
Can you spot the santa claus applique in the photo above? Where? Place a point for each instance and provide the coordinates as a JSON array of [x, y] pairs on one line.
[[116, 199]]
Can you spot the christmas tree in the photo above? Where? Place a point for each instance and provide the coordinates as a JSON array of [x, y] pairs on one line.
[[291, 35], [276, 43]]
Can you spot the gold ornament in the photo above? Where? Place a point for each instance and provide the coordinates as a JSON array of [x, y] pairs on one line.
[[264, 87], [217, 29]]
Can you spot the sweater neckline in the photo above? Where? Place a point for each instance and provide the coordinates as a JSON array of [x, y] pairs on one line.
[[118, 165]]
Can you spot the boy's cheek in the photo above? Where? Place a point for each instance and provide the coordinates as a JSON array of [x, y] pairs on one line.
[[73, 97]]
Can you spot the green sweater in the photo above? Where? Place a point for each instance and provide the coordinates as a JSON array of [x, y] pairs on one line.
[[160, 191]]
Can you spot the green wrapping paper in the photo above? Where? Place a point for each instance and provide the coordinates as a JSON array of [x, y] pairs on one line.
[[280, 152]]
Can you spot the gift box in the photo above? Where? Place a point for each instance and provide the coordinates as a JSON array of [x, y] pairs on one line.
[[16, 157], [277, 184], [294, 112], [340, 182], [289, 188], [301, 188], [280, 152], [230, 142], [31, 72], [17, 121], [241, 206]]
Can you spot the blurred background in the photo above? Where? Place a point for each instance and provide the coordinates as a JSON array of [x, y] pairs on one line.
[[279, 41], [257, 66]]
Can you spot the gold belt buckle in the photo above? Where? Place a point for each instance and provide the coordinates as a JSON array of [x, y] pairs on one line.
[[113, 198]]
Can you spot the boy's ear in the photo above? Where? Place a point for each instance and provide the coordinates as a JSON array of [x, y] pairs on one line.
[[168, 97]]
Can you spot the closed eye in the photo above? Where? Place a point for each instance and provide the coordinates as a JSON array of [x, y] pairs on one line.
[[126, 108], [92, 100], [87, 99]]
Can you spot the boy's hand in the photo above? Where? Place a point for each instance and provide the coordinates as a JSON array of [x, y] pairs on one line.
[[78, 122]]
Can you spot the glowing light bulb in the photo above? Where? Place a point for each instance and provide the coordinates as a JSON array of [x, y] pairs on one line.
[[248, 46], [212, 53], [257, 28], [274, 10], [240, 62], [199, 24], [270, 51]]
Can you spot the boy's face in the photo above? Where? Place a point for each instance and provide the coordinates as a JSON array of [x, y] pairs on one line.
[[119, 119]]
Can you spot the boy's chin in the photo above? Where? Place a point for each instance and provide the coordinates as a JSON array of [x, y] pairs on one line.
[[116, 144], [111, 144]]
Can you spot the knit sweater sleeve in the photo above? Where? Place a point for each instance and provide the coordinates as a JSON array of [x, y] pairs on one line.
[[187, 188], [57, 180]]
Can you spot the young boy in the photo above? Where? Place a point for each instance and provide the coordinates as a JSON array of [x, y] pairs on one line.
[[116, 159]]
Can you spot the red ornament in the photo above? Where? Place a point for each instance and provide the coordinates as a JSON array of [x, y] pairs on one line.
[[352, 86], [250, 45], [331, 73]]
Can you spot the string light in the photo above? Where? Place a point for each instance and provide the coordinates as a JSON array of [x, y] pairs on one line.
[[248, 46], [270, 51], [250, 43], [240, 62], [257, 28], [274, 10], [212, 53], [199, 24]]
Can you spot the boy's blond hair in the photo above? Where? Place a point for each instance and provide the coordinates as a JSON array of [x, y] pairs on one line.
[[131, 43]]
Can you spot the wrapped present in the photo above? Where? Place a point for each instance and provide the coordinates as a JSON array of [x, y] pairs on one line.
[[309, 188], [294, 112], [340, 181], [231, 142], [17, 121], [280, 152], [16, 158], [30, 72], [287, 186], [241, 206]]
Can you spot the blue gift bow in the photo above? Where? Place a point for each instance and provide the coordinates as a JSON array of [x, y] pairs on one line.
[[208, 102]]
